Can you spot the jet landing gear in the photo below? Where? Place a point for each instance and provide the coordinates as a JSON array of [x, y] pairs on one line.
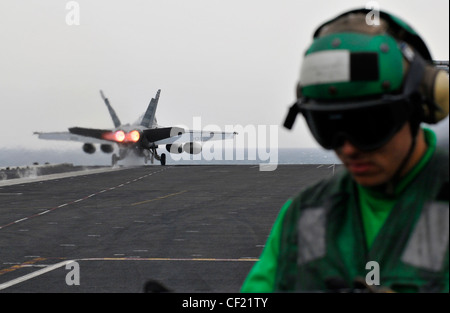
[[148, 154], [151, 155], [163, 159], [116, 158]]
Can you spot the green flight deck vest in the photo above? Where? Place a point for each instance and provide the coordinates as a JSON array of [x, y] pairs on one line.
[[323, 236]]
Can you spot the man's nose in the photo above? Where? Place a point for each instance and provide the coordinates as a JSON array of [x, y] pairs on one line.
[[348, 149]]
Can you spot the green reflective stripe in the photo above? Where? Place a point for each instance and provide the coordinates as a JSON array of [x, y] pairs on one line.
[[428, 243]]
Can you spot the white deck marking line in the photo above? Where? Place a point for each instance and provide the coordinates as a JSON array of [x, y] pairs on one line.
[[76, 201], [34, 274], [64, 263]]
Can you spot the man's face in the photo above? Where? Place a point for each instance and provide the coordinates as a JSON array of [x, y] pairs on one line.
[[376, 167]]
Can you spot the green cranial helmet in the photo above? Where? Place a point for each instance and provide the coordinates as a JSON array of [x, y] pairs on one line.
[[355, 72], [351, 65], [351, 58]]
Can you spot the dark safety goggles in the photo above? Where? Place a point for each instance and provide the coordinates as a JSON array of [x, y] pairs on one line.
[[366, 127]]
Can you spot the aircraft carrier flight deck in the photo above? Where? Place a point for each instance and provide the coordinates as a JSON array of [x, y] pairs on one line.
[[190, 228]]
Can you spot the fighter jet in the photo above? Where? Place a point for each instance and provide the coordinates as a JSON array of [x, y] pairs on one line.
[[141, 138]]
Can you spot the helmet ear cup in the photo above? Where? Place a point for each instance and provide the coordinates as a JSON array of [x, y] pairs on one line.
[[435, 88]]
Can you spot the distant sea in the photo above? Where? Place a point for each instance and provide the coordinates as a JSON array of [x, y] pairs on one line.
[[24, 157]]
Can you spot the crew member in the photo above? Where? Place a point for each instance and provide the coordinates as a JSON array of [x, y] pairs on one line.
[[383, 222]]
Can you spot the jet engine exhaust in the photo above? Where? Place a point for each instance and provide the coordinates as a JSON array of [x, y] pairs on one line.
[[133, 136], [121, 137]]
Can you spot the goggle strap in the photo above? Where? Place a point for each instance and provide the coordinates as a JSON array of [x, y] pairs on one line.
[[292, 115]]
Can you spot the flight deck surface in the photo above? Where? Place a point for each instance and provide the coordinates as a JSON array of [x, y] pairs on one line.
[[191, 228]]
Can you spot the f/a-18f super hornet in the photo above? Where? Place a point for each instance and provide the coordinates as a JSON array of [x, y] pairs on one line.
[[141, 138]]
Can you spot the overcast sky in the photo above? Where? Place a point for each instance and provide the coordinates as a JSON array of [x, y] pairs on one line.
[[230, 62]]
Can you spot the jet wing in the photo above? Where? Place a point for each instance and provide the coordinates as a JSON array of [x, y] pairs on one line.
[[67, 136], [158, 134], [90, 132], [196, 136]]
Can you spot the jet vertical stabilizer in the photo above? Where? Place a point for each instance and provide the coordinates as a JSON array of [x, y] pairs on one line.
[[113, 114], [149, 115]]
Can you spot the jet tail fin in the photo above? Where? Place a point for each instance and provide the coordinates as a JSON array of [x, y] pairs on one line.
[[113, 114], [149, 115]]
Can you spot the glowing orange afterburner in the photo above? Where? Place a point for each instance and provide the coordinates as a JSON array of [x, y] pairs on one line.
[[122, 137], [119, 136], [133, 136]]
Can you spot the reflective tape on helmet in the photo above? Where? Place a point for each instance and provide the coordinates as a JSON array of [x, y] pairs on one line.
[[323, 67]]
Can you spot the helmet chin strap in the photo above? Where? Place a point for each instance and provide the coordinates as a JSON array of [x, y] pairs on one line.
[[412, 83], [392, 183]]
